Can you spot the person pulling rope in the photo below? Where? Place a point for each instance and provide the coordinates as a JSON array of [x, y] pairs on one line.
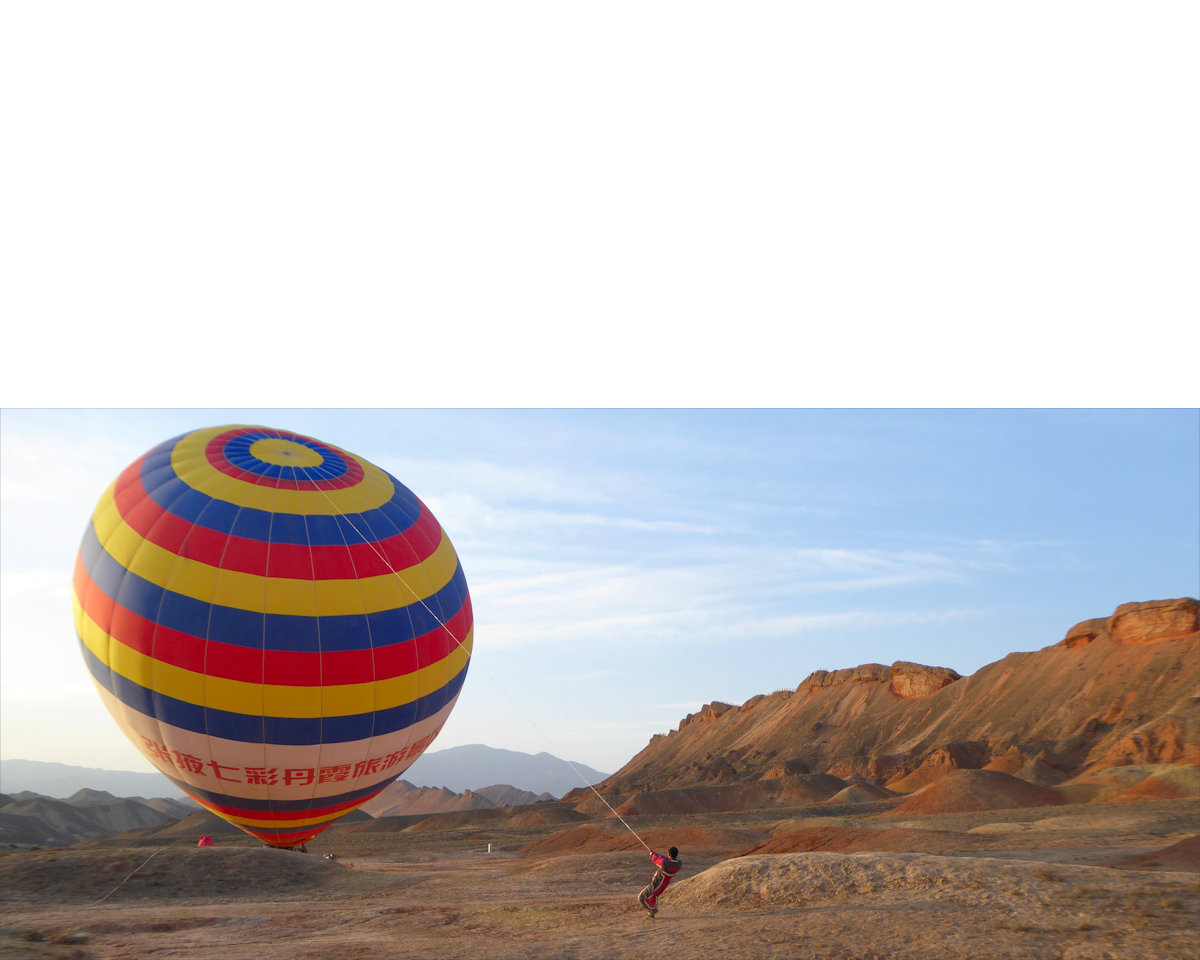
[[668, 866]]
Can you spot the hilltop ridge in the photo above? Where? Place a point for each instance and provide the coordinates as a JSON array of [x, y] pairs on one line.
[[1116, 690]]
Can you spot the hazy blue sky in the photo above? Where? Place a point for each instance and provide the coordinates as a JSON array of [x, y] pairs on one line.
[[628, 566]]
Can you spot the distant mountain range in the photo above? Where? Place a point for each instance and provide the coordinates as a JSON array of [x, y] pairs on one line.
[[457, 769], [401, 798], [62, 780], [57, 804], [30, 818], [475, 766]]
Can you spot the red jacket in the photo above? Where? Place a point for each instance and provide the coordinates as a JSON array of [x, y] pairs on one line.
[[667, 868]]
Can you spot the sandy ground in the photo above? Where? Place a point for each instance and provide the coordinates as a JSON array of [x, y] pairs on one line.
[[1116, 880]]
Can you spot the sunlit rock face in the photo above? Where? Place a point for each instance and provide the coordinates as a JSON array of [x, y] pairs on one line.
[[1116, 690]]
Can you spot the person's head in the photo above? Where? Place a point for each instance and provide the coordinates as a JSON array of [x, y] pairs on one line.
[[673, 852]]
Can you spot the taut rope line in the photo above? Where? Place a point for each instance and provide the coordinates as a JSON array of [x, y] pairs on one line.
[[494, 681], [131, 873]]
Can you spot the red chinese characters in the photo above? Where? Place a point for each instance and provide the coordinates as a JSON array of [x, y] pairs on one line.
[[287, 776]]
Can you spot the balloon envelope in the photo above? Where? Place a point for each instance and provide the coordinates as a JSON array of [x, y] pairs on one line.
[[279, 626]]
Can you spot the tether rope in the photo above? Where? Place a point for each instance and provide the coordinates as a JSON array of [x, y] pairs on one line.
[[487, 673], [122, 883]]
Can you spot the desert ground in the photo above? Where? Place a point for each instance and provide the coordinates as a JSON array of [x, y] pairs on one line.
[[847, 881]]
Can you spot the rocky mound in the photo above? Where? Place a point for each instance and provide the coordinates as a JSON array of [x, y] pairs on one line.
[[594, 806], [937, 763], [1034, 767], [1105, 784], [861, 793], [178, 873], [1171, 784], [794, 880], [506, 795], [965, 790], [1182, 855], [401, 798]]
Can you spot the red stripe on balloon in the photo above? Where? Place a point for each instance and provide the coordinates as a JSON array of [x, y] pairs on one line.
[[214, 451], [261, 558], [285, 815], [230, 661]]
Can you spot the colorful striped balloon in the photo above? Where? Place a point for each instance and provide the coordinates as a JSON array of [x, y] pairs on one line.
[[278, 625]]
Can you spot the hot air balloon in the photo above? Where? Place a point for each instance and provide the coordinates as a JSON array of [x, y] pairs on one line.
[[279, 626]]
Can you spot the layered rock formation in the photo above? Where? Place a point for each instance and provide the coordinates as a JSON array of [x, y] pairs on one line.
[[903, 679], [1116, 690], [30, 818], [401, 798]]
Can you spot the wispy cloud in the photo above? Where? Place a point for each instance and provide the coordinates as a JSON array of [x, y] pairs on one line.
[[469, 516], [866, 562], [620, 605], [501, 483], [799, 624]]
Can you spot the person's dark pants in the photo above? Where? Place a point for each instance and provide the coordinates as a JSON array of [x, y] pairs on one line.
[[648, 898]]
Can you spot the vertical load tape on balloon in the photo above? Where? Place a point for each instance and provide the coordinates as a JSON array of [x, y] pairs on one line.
[[279, 626]]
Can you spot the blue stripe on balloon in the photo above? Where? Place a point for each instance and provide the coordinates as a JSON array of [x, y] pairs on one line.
[[176, 497], [271, 631], [285, 806], [237, 452], [275, 730]]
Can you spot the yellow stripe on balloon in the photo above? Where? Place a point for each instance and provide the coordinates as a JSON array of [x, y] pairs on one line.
[[284, 452], [249, 591], [272, 700], [250, 822], [190, 462]]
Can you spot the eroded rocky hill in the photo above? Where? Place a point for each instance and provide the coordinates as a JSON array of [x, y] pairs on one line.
[[30, 818], [401, 798], [1114, 691]]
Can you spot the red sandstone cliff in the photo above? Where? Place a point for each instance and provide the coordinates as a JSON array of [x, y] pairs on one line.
[[1117, 690]]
